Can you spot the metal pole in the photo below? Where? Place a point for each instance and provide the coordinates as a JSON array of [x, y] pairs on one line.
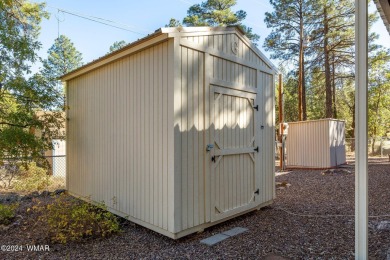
[[281, 151], [361, 169]]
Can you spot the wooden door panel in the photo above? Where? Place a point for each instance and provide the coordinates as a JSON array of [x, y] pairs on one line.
[[234, 136]]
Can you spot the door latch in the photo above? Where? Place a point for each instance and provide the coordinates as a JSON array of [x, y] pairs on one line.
[[209, 147], [213, 159]]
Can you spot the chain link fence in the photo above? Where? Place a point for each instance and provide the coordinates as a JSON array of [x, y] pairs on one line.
[[47, 173], [57, 171], [377, 146]]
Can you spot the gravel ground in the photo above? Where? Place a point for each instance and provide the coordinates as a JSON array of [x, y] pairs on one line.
[[296, 226]]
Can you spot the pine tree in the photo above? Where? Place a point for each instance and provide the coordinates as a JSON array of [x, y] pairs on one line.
[[19, 27], [332, 43], [117, 45], [332, 48], [290, 23], [218, 13], [63, 57], [173, 23], [379, 93]]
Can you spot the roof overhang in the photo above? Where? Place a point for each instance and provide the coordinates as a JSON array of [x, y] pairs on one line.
[[383, 7], [158, 36], [153, 38]]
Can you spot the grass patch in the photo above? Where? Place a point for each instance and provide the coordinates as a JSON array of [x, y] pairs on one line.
[[70, 219], [7, 213]]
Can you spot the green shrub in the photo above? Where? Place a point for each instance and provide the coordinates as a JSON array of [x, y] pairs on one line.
[[7, 213], [69, 219], [32, 178]]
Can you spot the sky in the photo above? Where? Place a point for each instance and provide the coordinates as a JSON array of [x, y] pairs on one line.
[[139, 18]]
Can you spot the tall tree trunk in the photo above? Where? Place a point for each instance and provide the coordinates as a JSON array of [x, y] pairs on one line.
[[373, 145], [300, 65], [375, 130], [303, 88], [300, 81], [328, 86], [334, 86]]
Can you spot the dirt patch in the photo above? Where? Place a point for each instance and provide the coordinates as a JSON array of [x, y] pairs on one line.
[[317, 223]]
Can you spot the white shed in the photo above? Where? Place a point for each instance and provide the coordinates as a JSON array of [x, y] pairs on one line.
[[316, 143], [174, 132]]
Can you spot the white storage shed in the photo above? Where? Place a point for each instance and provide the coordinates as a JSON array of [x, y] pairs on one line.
[[316, 143], [174, 132]]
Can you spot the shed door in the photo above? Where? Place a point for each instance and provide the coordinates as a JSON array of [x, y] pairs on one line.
[[235, 156]]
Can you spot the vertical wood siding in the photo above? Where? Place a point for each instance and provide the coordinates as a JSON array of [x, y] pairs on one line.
[[328, 137], [299, 144], [266, 102], [235, 73], [337, 142], [239, 176], [223, 42], [118, 135], [192, 148]]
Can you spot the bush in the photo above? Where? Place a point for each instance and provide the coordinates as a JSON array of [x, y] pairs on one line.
[[7, 213], [32, 178], [69, 219]]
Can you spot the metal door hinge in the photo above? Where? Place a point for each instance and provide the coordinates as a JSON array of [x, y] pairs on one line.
[[213, 159], [256, 149], [262, 127], [256, 107], [257, 192]]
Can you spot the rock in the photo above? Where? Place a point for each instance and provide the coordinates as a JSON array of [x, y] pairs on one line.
[[282, 185], [328, 172], [59, 191], [343, 171], [45, 193], [18, 221], [4, 228], [34, 194], [11, 198], [384, 225], [26, 197], [336, 172]]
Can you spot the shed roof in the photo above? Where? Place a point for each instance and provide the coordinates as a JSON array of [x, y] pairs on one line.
[[160, 35], [384, 10]]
